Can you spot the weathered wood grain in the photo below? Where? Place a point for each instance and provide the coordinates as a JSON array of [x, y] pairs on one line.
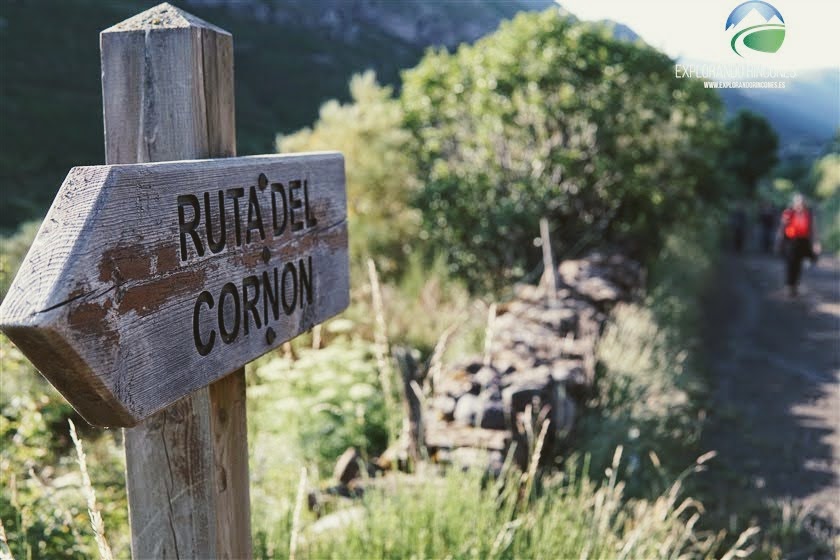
[[113, 281], [230, 455], [150, 85]]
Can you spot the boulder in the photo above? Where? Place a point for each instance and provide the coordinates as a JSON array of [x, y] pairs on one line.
[[444, 405], [492, 416], [467, 409], [347, 466]]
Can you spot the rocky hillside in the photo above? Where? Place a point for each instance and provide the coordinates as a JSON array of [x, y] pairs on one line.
[[290, 57], [415, 22]]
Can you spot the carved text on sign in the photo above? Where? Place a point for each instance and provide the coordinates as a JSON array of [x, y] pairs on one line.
[[149, 281]]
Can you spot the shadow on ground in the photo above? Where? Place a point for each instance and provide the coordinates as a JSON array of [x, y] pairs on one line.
[[774, 408]]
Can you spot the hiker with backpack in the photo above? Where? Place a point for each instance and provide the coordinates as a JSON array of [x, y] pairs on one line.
[[797, 240]]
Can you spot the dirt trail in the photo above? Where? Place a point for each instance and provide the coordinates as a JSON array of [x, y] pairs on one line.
[[775, 376]]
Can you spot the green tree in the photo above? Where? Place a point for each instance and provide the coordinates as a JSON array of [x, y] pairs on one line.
[[751, 148], [825, 180], [380, 172], [825, 176], [553, 118]]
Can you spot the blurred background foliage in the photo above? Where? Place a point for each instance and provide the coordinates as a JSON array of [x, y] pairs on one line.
[[556, 119], [381, 175]]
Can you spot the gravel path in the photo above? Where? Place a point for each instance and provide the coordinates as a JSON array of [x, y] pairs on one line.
[[774, 363]]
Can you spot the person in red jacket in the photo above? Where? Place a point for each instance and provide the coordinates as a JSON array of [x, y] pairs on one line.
[[798, 240]]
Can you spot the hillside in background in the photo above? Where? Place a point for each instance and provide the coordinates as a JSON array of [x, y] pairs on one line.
[[290, 58], [805, 114]]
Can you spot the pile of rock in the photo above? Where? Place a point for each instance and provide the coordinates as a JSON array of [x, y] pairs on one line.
[[538, 365]]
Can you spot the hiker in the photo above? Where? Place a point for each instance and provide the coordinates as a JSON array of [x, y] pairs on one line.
[[767, 223], [797, 240]]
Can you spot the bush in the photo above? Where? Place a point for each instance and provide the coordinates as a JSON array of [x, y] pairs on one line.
[[825, 175], [553, 118], [380, 173], [326, 400]]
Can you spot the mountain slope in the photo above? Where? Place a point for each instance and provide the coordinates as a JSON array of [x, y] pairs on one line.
[[290, 57], [806, 114]]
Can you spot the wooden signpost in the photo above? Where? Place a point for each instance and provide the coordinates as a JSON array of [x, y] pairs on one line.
[[150, 285], [149, 281]]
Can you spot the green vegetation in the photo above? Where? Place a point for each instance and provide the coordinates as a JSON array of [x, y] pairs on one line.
[[819, 181], [380, 174], [567, 515], [42, 506], [556, 119], [752, 148], [650, 386], [447, 181], [825, 177]]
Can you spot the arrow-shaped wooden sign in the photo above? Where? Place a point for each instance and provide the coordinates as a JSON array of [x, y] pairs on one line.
[[149, 281]]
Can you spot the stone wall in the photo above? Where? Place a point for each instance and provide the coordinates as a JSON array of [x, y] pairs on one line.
[[539, 364]]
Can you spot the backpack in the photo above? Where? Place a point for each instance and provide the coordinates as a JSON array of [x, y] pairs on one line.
[[797, 224]]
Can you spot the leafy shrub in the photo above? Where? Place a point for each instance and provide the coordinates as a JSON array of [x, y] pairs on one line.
[[380, 172], [829, 224], [553, 118], [327, 400]]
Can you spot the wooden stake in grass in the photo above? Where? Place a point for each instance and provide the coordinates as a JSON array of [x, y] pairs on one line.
[[380, 338], [549, 277], [95, 517], [299, 499], [488, 333]]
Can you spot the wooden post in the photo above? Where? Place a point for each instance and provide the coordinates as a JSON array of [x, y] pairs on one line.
[[412, 432], [134, 312], [549, 277], [167, 92]]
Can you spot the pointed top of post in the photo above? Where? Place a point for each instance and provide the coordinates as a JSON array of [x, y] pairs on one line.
[[162, 16]]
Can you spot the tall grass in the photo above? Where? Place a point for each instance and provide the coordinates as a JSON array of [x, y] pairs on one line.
[[566, 515], [622, 497], [96, 522], [649, 382], [42, 500]]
